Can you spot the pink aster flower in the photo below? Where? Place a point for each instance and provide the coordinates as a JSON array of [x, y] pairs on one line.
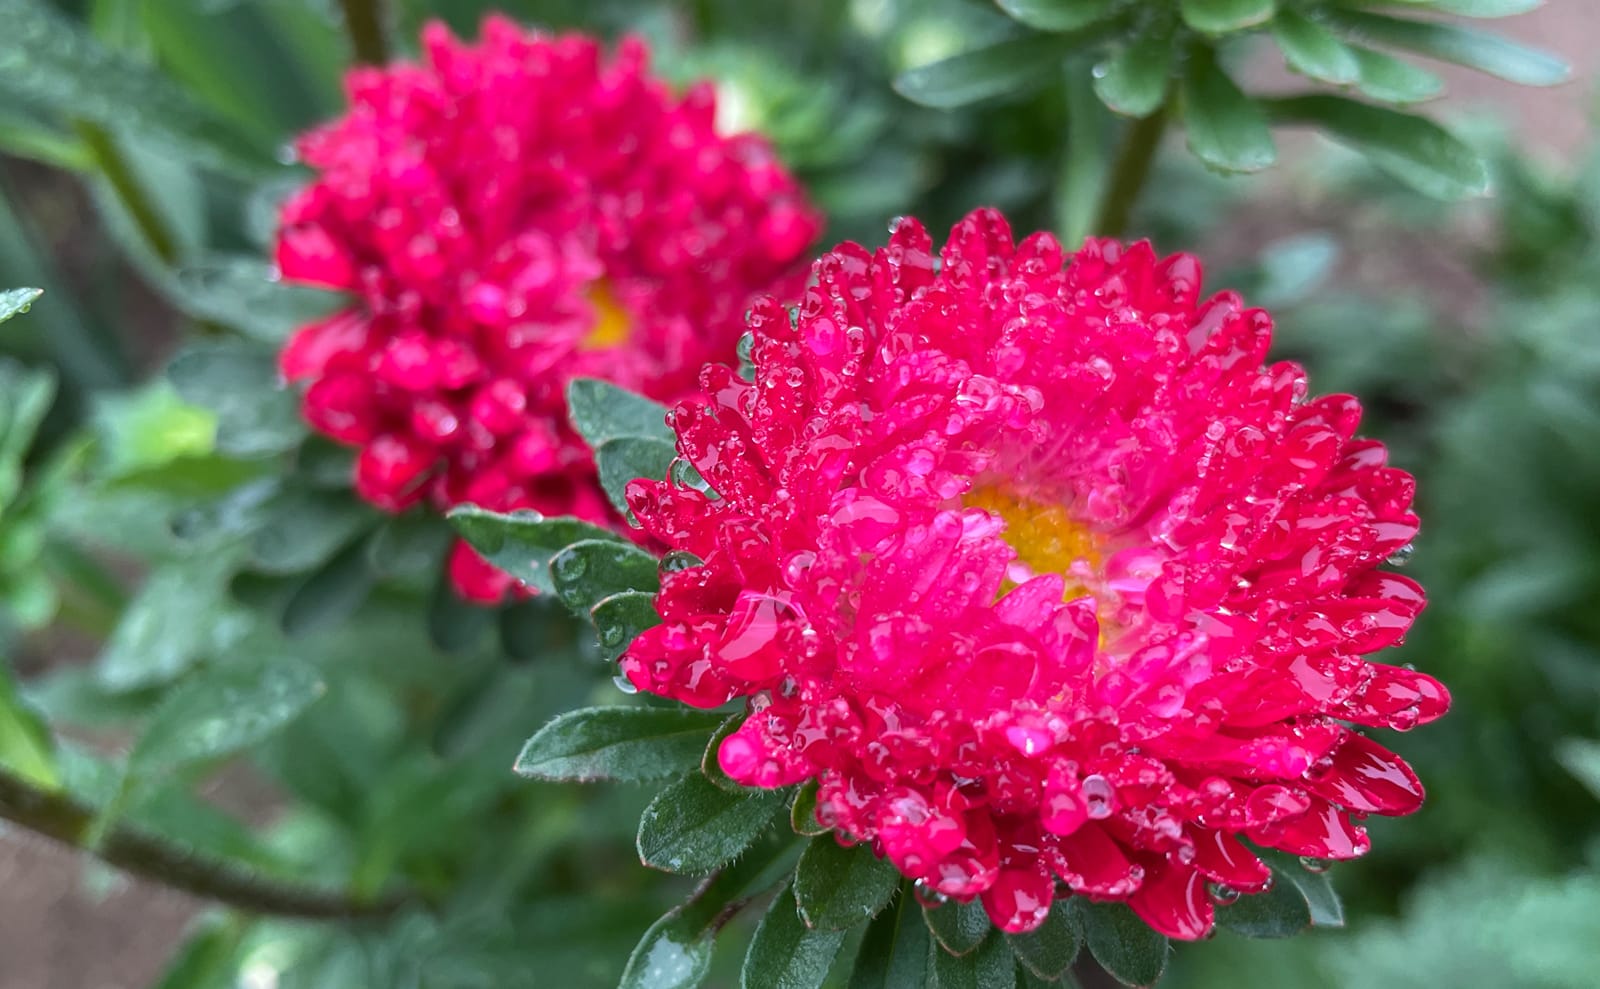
[[1051, 584], [508, 216]]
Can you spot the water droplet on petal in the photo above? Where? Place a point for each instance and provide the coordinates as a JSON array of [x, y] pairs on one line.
[[624, 684], [1315, 865], [1222, 895], [678, 560]]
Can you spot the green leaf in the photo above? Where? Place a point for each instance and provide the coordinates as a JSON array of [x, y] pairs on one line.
[[785, 953], [1394, 80], [1482, 8], [958, 927], [999, 70], [454, 625], [238, 381], [838, 887], [895, 951], [224, 709], [330, 595], [25, 397], [16, 301], [245, 294], [1224, 16], [180, 616], [710, 765], [617, 743], [803, 814], [590, 570], [1049, 951], [1277, 913], [1226, 129], [301, 529], [1135, 81], [522, 543], [1481, 50], [1058, 15], [26, 747], [1411, 148], [989, 967], [1122, 943], [628, 434], [694, 827], [207, 959], [409, 545], [1581, 758], [620, 618], [1313, 50], [48, 62], [1315, 887]]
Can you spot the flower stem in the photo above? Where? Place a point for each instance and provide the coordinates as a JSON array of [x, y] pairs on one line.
[[363, 21], [61, 818], [112, 163], [1129, 172]]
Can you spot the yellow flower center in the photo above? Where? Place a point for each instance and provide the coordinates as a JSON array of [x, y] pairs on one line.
[[1045, 535], [612, 324]]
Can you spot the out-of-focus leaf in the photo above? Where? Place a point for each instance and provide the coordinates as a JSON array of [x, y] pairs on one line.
[[1058, 15], [617, 743], [1394, 80], [1122, 943], [179, 617], [1000, 70], [1313, 50], [330, 594], [302, 529], [694, 827], [1582, 759], [16, 301], [523, 543], [1226, 129], [26, 747], [245, 294], [1481, 50], [49, 62], [1136, 79], [239, 383], [838, 887], [207, 959], [787, 954], [25, 397], [1224, 16], [223, 709], [1413, 149]]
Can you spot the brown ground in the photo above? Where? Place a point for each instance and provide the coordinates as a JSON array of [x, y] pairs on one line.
[[57, 934]]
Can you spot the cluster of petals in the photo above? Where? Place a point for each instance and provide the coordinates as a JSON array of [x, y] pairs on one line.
[[1051, 584], [505, 217]]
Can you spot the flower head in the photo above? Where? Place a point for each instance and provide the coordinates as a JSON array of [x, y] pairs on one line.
[[1043, 575], [508, 216]]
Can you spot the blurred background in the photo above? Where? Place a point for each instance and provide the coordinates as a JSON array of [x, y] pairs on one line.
[[1471, 330]]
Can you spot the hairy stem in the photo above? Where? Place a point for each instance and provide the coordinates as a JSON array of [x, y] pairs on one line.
[[363, 22], [1129, 172], [61, 818]]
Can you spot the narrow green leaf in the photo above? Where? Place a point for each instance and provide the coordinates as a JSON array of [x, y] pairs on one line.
[[1278, 913], [331, 594], [989, 967], [710, 763], [301, 530], [838, 887], [26, 747], [224, 709], [1481, 50], [245, 294], [1581, 758], [1313, 50], [958, 927], [25, 397], [894, 952], [1136, 79], [620, 618], [1122, 943], [803, 814], [534, 628], [49, 62], [693, 827], [1411, 148], [1050, 951], [590, 570], [617, 743], [1394, 80], [523, 543], [180, 616], [1481, 8], [410, 545], [1315, 887], [1226, 130], [16, 301], [999, 70], [1058, 15], [238, 381], [454, 625], [1224, 16], [785, 953], [208, 959]]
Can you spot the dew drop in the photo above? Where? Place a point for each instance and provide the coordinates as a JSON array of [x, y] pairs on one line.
[[1401, 556], [1222, 895], [1315, 865], [624, 684], [679, 559], [927, 895], [1097, 796]]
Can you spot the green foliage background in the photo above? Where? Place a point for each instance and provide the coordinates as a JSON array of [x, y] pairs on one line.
[[184, 555]]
